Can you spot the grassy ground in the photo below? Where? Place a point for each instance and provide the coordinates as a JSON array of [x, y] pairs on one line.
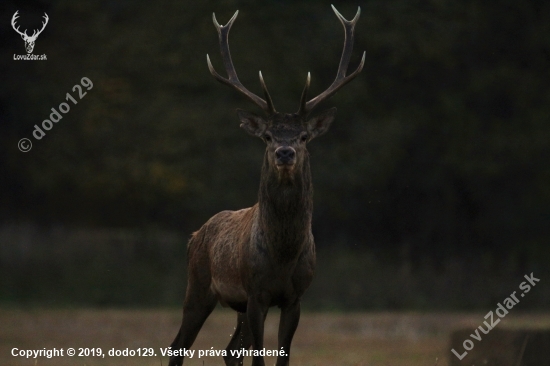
[[373, 339]]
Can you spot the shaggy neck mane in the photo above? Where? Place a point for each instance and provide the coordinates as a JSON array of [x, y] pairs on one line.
[[286, 207]]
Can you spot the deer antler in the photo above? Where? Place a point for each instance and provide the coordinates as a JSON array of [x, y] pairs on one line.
[[24, 34], [13, 19], [233, 80], [36, 33], [341, 78]]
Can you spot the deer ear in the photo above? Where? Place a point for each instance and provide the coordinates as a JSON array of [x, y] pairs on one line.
[[252, 123], [318, 125]]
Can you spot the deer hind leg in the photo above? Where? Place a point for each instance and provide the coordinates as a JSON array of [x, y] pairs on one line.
[[241, 339], [198, 305]]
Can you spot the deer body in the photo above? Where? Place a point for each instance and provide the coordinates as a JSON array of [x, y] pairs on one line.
[[264, 255], [254, 252], [258, 251]]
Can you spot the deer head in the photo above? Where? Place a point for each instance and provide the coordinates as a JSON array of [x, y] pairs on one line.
[[29, 40], [286, 134]]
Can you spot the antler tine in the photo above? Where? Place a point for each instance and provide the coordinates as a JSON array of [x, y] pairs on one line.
[[303, 99], [233, 80], [270, 106], [341, 78]]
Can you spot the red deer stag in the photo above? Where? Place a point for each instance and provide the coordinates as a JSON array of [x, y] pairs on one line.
[[264, 255]]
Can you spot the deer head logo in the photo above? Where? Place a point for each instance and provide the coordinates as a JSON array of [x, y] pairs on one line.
[[29, 40]]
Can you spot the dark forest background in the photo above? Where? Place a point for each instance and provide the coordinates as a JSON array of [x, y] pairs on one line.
[[432, 188]]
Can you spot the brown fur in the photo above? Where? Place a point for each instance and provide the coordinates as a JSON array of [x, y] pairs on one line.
[[264, 255], [260, 256]]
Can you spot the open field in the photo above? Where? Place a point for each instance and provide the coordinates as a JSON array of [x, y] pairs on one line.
[[373, 339]]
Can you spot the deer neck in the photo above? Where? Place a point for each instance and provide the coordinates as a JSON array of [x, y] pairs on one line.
[[286, 209]]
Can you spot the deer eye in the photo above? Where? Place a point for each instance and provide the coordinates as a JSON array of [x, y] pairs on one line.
[[304, 138], [267, 137]]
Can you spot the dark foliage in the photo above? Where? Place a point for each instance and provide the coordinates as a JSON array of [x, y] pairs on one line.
[[439, 152]]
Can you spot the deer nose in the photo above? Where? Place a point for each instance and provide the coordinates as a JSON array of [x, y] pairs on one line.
[[285, 155]]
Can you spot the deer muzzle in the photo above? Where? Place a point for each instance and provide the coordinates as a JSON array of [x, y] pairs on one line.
[[286, 156]]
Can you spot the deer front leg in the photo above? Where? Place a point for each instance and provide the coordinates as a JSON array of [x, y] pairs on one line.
[[256, 311], [241, 340], [290, 317]]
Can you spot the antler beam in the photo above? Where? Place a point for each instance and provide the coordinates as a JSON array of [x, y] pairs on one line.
[[341, 78], [233, 80]]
